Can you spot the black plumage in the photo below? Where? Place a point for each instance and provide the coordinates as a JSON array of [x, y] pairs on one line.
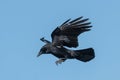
[[67, 35]]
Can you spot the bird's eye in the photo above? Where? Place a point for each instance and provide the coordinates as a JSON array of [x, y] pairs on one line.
[[43, 49]]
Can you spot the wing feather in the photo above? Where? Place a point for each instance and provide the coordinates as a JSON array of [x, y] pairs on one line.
[[66, 22], [79, 22], [76, 19], [67, 34]]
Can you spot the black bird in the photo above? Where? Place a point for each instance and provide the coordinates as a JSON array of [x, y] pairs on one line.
[[67, 35]]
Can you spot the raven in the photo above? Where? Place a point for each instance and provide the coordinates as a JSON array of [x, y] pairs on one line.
[[66, 35]]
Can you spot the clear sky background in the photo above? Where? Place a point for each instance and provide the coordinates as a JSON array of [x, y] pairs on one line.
[[24, 22]]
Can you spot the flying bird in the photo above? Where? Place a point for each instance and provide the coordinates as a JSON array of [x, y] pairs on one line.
[[66, 35]]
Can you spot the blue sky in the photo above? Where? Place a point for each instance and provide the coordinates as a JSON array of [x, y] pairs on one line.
[[24, 22]]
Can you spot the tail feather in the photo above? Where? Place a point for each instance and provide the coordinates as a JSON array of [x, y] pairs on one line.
[[85, 55]]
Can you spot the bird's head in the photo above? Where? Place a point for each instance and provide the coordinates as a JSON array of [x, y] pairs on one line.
[[44, 50]]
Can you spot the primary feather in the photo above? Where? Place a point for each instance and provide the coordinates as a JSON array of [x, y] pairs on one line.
[[67, 33]]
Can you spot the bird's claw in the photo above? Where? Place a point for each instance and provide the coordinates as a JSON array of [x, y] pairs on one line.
[[59, 61]]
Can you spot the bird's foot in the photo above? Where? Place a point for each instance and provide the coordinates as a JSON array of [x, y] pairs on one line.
[[59, 61]]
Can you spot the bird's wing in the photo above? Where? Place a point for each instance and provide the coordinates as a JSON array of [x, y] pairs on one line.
[[67, 33]]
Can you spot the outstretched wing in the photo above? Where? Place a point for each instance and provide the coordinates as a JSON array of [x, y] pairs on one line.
[[67, 33]]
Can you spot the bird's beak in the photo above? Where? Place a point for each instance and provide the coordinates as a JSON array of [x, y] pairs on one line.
[[40, 53]]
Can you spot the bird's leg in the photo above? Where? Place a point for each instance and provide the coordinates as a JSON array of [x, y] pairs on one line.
[[44, 40], [60, 61]]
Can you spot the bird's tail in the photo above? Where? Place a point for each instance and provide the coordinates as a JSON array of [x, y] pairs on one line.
[[85, 55]]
